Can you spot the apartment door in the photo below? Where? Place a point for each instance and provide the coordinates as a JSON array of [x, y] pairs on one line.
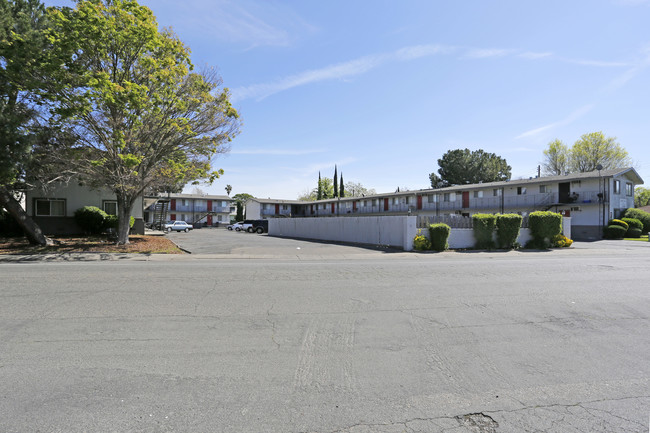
[[386, 204], [333, 209], [419, 202], [209, 220], [209, 205], [564, 191], [277, 209], [465, 199]]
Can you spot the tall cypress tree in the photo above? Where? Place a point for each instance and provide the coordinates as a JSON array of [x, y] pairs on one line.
[[336, 185], [341, 188], [319, 195]]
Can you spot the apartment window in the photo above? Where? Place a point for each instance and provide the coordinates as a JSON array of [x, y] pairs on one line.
[[431, 198], [375, 202], [285, 207], [478, 194], [521, 190], [184, 202], [496, 192], [446, 197], [46, 207], [110, 207], [542, 189], [408, 200], [617, 187], [224, 204], [628, 189], [183, 217], [395, 201], [219, 218]]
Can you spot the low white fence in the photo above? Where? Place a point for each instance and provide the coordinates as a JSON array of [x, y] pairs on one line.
[[394, 231]]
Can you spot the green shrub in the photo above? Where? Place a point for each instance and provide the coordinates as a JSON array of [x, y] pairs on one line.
[[508, 226], [438, 236], [483, 225], [633, 233], [614, 232], [543, 226], [421, 243], [617, 222], [633, 223], [642, 216], [90, 219], [111, 222]]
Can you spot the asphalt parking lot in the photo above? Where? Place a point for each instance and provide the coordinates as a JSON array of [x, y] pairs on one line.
[[220, 241]]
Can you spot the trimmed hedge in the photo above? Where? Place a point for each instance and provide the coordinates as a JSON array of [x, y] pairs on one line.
[[633, 233], [633, 223], [642, 216], [90, 219], [543, 226], [483, 225], [617, 222], [507, 227], [438, 235], [614, 232]]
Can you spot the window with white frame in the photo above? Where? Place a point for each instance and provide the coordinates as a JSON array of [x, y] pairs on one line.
[[285, 207], [185, 202], [224, 204], [446, 197], [110, 207], [521, 190], [220, 218], [628, 189], [496, 192], [408, 200], [375, 202], [542, 189], [49, 207], [431, 198], [395, 201], [617, 187], [478, 194]]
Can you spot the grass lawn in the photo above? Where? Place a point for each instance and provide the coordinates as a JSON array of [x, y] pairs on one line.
[[642, 238], [91, 244]]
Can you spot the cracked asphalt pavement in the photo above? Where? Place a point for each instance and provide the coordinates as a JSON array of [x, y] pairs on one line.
[[329, 340]]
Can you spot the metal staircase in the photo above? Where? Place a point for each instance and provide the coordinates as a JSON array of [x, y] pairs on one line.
[[160, 209]]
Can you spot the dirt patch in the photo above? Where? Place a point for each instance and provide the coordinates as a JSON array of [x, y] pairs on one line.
[[91, 244]]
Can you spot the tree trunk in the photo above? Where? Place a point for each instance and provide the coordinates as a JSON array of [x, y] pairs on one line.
[[124, 205], [32, 230]]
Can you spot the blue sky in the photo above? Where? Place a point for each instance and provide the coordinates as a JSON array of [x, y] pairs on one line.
[[384, 88]]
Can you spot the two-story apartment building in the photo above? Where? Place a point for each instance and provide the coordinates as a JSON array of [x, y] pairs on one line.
[[198, 209], [590, 199], [53, 209]]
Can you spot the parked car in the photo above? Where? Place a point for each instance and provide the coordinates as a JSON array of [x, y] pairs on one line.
[[236, 226], [259, 226], [178, 226]]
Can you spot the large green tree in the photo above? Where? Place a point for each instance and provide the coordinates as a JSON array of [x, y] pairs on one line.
[[325, 189], [641, 196], [29, 82], [147, 118], [595, 149], [240, 202], [556, 158], [462, 166]]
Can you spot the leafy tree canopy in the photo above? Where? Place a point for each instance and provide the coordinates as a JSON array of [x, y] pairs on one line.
[[141, 115], [462, 166], [557, 158], [641, 196], [325, 188], [593, 149]]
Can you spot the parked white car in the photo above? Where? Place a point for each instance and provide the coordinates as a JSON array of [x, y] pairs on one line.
[[236, 226], [178, 226]]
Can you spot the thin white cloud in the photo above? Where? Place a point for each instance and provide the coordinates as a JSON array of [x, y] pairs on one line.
[[249, 22], [288, 152], [336, 72], [572, 117], [534, 56], [488, 53], [599, 63]]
